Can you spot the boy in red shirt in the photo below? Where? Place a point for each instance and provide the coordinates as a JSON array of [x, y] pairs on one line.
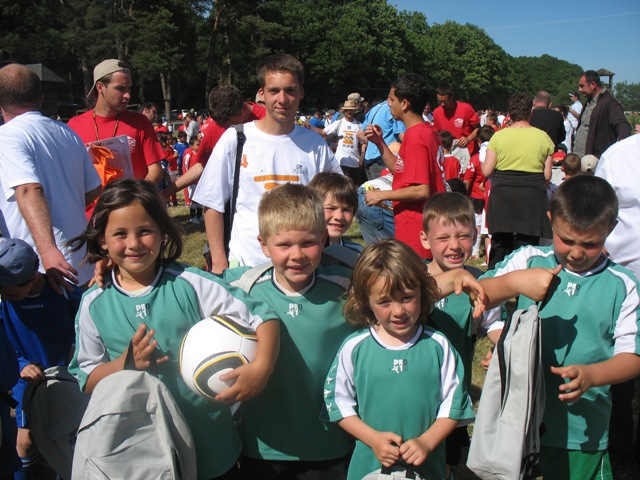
[[418, 170], [477, 184], [452, 168]]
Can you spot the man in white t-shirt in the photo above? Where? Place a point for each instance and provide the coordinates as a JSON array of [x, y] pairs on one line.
[[276, 151], [575, 109], [46, 179], [348, 152]]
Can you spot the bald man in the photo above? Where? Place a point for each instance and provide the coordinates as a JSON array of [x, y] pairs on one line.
[[47, 179]]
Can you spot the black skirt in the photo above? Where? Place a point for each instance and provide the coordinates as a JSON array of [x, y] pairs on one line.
[[518, 203]]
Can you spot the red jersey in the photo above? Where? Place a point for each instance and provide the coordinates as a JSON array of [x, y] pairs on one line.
[[461, 123], [420, 162], [214, 131], [476, 179], [172, 158], [144, 147], [452, 167]]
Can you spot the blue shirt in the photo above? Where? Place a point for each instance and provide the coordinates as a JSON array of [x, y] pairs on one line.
[[381, 115]]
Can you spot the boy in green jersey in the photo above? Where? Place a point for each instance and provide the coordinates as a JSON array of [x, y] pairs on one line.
[[281, 429], [449, 231], [589, 328]]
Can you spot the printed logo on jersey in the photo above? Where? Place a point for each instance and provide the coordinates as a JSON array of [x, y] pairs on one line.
[[571, 289], [399, 365], [442, 303], [143, 310], [458, 122], [399, 164], [294, 309], [132, 144], [33, 306]]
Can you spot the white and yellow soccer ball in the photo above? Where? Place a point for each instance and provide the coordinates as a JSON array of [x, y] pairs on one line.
[[211, 348]]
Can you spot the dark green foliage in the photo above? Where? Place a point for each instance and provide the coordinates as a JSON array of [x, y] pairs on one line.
[[180, 49]]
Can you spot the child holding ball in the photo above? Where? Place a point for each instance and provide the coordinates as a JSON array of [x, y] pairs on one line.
[[151, 301]]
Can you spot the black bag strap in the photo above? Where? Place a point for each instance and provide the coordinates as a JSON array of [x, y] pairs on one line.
[[409, 473], [236, 172]]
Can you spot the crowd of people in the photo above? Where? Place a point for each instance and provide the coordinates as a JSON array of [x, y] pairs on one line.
[[364, 353]]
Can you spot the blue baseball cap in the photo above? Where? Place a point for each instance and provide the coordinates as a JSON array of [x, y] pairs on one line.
[[18, 261]]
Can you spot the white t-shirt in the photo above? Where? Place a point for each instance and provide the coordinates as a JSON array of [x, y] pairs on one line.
[[576, 107], [267, 161], [348, 151], [620, 166], [36, 149], [568, 129]]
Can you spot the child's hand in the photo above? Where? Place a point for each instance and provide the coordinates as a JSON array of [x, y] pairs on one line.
[[385, 447], [414, 451], [143, 347], [250, 380], [101, 269], [486, 360], [467, 283], [581, 380], [535, 282], [32, 373]]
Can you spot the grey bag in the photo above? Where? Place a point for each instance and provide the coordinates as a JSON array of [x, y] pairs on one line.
[[55, 408], [506, 437], [133, 430], [395, 472]]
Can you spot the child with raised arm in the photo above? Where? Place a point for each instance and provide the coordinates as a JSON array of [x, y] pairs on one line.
[[448, 222], [151, 301], [396, 385], [589, 328]]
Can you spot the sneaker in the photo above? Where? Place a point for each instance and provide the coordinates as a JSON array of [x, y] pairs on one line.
[[195, 220]]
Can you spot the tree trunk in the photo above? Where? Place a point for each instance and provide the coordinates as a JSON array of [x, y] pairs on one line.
[[165, 81]]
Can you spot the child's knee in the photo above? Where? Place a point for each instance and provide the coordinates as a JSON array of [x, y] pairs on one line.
[[24, 443]]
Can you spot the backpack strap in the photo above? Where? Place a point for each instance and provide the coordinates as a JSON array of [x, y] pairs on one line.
[[236, 172], [251, 276], [341, 253]]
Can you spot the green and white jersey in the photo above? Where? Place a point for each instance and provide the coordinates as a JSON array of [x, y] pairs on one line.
[[453, 316], [179, 297], [283, 422], [397, 389], [589, 318]]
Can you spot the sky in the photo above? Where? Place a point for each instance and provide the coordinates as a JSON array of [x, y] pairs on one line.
[[593, 34]]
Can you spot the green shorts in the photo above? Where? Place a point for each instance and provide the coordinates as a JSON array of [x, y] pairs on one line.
[[563, 464]]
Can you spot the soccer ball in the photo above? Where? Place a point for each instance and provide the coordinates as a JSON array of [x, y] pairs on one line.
[[213, 347]]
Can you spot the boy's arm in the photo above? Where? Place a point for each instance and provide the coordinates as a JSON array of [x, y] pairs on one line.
[[459, 280], [532, 283], [252, 378], [416, 450], [214, 226], [412, 193], [617, 369], [189, 177], [385, 445]]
